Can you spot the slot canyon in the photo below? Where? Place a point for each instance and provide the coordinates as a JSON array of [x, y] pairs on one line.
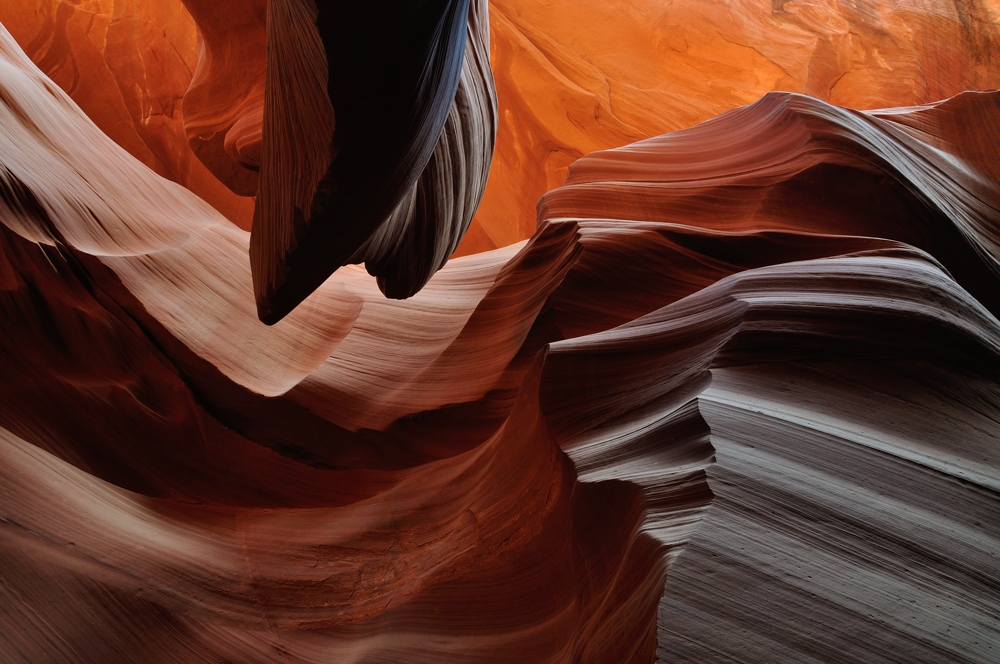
[[528, 331]]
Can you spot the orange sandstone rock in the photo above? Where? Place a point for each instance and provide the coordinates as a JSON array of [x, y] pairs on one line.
[[574, 76], [505, 466], [225, 101], [128, 65]]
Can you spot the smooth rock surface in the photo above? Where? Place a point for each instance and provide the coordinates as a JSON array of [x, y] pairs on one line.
[[574, 76], [128, 65]]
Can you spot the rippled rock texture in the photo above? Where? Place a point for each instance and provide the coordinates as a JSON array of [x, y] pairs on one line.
[[375, 150], [128, 65], [735, 399], [565, 87], [574, 77], [854, 411]]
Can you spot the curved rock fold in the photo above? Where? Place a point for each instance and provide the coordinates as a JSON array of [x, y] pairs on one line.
[[367, 154], [737, 398]]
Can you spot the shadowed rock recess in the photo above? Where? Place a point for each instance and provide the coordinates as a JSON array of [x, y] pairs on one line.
[[735, 399]]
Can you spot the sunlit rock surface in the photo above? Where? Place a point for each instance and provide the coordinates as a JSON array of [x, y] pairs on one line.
[[224, 102], [735, 399], [566, 88], [206, 511], [128, 65], [574, 77]]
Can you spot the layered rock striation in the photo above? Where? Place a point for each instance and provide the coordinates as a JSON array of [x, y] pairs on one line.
[[373, 150], [128, 65], [575, 77], [736, 398]]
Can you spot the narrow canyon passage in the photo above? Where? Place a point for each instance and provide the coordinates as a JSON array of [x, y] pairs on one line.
[[507, 331]]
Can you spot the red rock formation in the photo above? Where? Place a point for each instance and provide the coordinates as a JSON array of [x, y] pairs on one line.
[[566, 89], [574, 77], [508, 465], [128, 66], [225, 100], [218, 523], [857, 392]]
